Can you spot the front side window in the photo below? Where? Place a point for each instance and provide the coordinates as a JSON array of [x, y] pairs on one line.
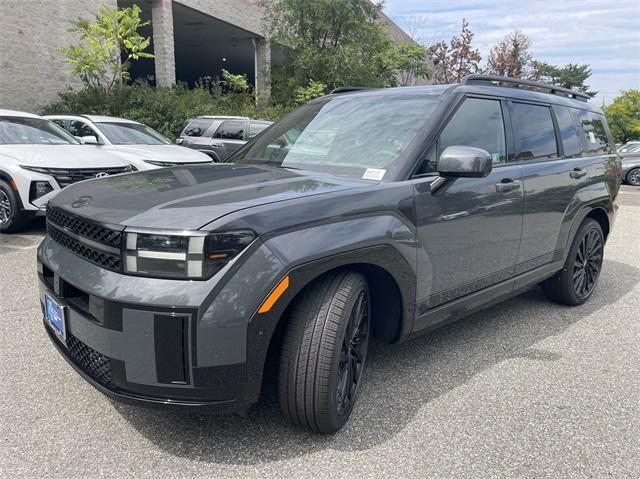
[[535, 133], [477, 123], [231, 130], [568, 132], [131, 134], [32, 131], [80, 128], [592, 131], [353, 136]]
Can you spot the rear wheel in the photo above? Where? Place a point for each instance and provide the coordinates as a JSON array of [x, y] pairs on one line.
[[12, 219], [633, 177], [575, 283], [324, 351]]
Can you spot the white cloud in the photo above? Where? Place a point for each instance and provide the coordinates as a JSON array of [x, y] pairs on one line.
[[606, 35]]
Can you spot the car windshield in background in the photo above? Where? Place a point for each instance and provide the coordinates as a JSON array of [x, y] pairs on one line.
[[355, 136], [32, 131], [131, 134]]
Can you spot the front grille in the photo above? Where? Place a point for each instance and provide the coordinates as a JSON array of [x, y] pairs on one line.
[[80, 227], [89, 360], [101, 258], [68, 176]]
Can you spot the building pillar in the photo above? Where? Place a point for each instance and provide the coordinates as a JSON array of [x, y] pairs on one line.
[[163, 46], [262, 48]]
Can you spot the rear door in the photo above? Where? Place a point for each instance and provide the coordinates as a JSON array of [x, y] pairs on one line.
[[229, 136], [548, 148], [197, 134]]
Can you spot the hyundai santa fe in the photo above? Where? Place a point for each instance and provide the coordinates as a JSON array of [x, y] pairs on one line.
[[370, 214]]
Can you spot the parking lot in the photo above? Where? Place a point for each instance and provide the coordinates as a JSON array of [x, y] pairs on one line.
[[523, 389]]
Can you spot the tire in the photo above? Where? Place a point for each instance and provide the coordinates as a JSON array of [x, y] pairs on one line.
[[12, 219], [314, 367], [633, 177], [577, 280]]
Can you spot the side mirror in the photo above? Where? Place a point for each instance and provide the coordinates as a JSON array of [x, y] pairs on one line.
[[179, 141], [464, 162], [89, 140], [80, 140]]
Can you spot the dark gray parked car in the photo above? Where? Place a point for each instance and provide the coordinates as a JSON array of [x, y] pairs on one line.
[[631, 168], [220, 136], [370, 214]]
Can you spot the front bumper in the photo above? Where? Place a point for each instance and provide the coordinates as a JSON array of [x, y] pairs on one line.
[[152, 341]]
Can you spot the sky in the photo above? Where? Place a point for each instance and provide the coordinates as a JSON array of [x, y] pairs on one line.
[[604, 33]]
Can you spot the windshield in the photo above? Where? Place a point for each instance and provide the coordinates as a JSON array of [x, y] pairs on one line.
[[355, 136], [131, 134], [32, 131]]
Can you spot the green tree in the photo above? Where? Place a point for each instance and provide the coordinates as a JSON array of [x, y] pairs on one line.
[[107, 47], [623, 116], [333, 42], [403, 64], [571, 76]]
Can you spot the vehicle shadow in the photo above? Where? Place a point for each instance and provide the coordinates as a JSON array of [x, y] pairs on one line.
[[399, 380], [30, 236]]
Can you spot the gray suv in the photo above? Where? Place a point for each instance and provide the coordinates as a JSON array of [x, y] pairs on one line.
[[374, 214], [220, 136]]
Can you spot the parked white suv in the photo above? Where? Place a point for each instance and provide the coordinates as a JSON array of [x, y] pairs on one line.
[[143, 147], [37, 160]]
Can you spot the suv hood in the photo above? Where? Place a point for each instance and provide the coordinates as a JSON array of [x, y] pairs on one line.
[[190, 197], [61, 156], [168, 153]]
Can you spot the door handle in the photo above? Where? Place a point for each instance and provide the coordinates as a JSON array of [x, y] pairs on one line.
[[577, 173], [507, 184], [216, 144]]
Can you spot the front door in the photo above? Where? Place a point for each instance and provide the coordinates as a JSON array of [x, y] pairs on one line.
[[229, 137], [470, 229]]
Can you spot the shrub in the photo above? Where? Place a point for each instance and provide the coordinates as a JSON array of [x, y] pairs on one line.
[[163, 109]]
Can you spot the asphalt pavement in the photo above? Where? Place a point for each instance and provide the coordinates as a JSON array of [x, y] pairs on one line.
[[523, 389]]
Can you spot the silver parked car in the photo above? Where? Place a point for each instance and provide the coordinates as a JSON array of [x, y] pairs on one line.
[[631, 168], [220, 136]]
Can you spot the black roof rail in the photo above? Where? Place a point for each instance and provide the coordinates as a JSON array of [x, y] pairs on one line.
[[345, 89], [516, 82]]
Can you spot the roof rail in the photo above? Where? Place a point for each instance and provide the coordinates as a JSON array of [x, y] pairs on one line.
[[345, 89], [529, 84]]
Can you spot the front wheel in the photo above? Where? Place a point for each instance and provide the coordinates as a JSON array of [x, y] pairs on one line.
[[12, 219], [324, 350], [633, 177], [577, 280]]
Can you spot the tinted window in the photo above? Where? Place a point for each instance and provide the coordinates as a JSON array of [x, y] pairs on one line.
[[231, 130], [535, 135], [593, 132], [568, 132], [197, 127], [477, 123]]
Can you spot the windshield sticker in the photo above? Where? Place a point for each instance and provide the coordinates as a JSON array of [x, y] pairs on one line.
[[592, 137], [373, 174]]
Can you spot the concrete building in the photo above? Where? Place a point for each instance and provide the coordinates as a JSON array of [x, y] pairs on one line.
[[191, 39]]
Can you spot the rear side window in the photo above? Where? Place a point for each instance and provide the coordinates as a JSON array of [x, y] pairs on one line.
[[568, 132], [197, 127], [535, 133], [231, 130], [592, 131], [477, 123], [80, 128]]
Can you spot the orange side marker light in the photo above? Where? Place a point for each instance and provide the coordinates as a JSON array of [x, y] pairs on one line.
[[274, 295]]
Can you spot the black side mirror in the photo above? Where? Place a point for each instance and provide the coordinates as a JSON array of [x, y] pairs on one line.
[[464, 162]]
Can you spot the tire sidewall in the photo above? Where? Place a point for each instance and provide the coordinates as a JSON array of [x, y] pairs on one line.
[[336, 419], [12, 224], [629, 176]]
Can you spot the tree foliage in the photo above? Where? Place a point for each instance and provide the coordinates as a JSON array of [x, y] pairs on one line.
[[571, 76], [403, 64], [623, 116], [512, 57], [98, 59], [336, 43], [454, 60]]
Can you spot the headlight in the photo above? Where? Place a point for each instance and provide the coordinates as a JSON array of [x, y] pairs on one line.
[[182, 256], [39, 189]]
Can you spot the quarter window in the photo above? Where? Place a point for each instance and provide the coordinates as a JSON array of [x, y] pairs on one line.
[[231, 130], [535, 133], [592, 132], [568, 132]]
